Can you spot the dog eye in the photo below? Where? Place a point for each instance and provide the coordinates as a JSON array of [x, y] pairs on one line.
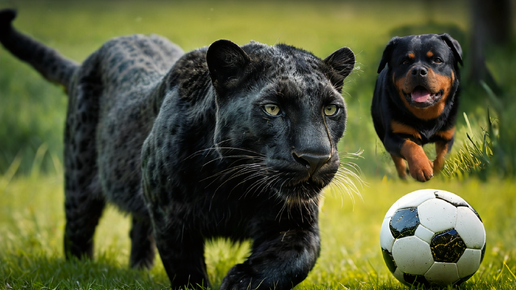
[[272, 109], [438, 60], [331, 110], [405, 62]]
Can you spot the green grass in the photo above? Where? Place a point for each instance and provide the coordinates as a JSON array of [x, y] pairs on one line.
[[32, 223], [32, 118]]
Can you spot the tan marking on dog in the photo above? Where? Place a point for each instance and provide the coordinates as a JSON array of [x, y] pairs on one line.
[[400, 128], [446, 135], [436, 83], [429, 54]]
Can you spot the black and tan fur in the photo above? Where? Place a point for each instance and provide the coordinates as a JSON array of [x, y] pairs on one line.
[[416, 99]]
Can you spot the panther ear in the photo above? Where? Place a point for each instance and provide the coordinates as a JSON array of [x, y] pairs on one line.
[[342, 62], [227, 63], [387, 53], [454, 46]]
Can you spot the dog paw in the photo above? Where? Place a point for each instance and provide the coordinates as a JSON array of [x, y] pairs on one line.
[[421, 170]]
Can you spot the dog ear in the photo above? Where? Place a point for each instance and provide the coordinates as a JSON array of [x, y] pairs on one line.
[[454, 46], [227, 63], [387, 53], [342, 62]]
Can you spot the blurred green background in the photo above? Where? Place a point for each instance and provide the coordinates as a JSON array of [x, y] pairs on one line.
[[32, 111]]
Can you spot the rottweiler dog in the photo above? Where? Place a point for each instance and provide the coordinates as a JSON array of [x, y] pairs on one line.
[[416, 99]]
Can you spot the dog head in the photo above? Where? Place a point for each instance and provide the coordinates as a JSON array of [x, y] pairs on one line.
[[424, 71]]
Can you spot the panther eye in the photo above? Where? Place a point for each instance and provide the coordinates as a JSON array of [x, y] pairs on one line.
[[272, 109], [331, 110]]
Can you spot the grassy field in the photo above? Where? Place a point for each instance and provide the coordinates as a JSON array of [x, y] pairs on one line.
[[32, 117], [32, 224]]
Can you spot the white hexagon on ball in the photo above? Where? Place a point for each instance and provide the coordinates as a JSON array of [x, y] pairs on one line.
[[425, 234], [415, 199], [412, 200], [437, 215], [469, 262], [412, 255], [442, 274], [470, 228], [386, 239]]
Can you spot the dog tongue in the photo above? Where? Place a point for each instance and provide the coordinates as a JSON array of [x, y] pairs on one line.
[[420, 95]]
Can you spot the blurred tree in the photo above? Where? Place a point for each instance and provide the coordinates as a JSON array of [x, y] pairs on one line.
[[491, 26], [491, 36]]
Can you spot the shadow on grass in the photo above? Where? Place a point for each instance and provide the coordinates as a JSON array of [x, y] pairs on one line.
[[36, 271]]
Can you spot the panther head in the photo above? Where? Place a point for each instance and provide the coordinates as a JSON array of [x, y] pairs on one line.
[[280, 115]]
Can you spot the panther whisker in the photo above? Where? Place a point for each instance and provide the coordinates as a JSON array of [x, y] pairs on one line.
[[254, 175], [348, 180], [265, 180], [242, 158], [227, 172], [261, 183], [284, 206], [233, 172], [217, 148], [229, 169]]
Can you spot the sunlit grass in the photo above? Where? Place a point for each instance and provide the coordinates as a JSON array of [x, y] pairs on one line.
[[32, 225]]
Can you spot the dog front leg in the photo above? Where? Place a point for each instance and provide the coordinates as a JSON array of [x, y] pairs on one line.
[[401, 167], [420, 167], [441, 149]]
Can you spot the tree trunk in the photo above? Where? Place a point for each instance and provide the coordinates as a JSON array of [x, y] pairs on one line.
[[491, 26]]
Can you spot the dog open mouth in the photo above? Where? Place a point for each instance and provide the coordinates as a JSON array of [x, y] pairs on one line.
[[422, 98]]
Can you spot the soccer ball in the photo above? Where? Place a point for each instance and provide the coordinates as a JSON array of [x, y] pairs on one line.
[[432, 238]]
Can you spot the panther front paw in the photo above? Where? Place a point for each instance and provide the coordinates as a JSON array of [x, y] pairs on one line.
[[238, 279]]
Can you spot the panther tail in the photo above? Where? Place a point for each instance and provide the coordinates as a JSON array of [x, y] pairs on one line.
[[47, 61]]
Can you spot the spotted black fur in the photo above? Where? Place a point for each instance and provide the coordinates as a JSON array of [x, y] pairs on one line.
[[223, 141]]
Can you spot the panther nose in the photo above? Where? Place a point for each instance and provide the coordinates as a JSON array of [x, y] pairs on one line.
[[419, 71], [312, 161]]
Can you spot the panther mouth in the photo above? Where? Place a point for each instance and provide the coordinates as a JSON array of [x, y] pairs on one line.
[[421, 97], [301, 189], [294, 181], [300, 192]]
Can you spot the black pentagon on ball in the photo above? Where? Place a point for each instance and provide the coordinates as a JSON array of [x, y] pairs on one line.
[[389, 260], [447, 246], [404, 222]]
